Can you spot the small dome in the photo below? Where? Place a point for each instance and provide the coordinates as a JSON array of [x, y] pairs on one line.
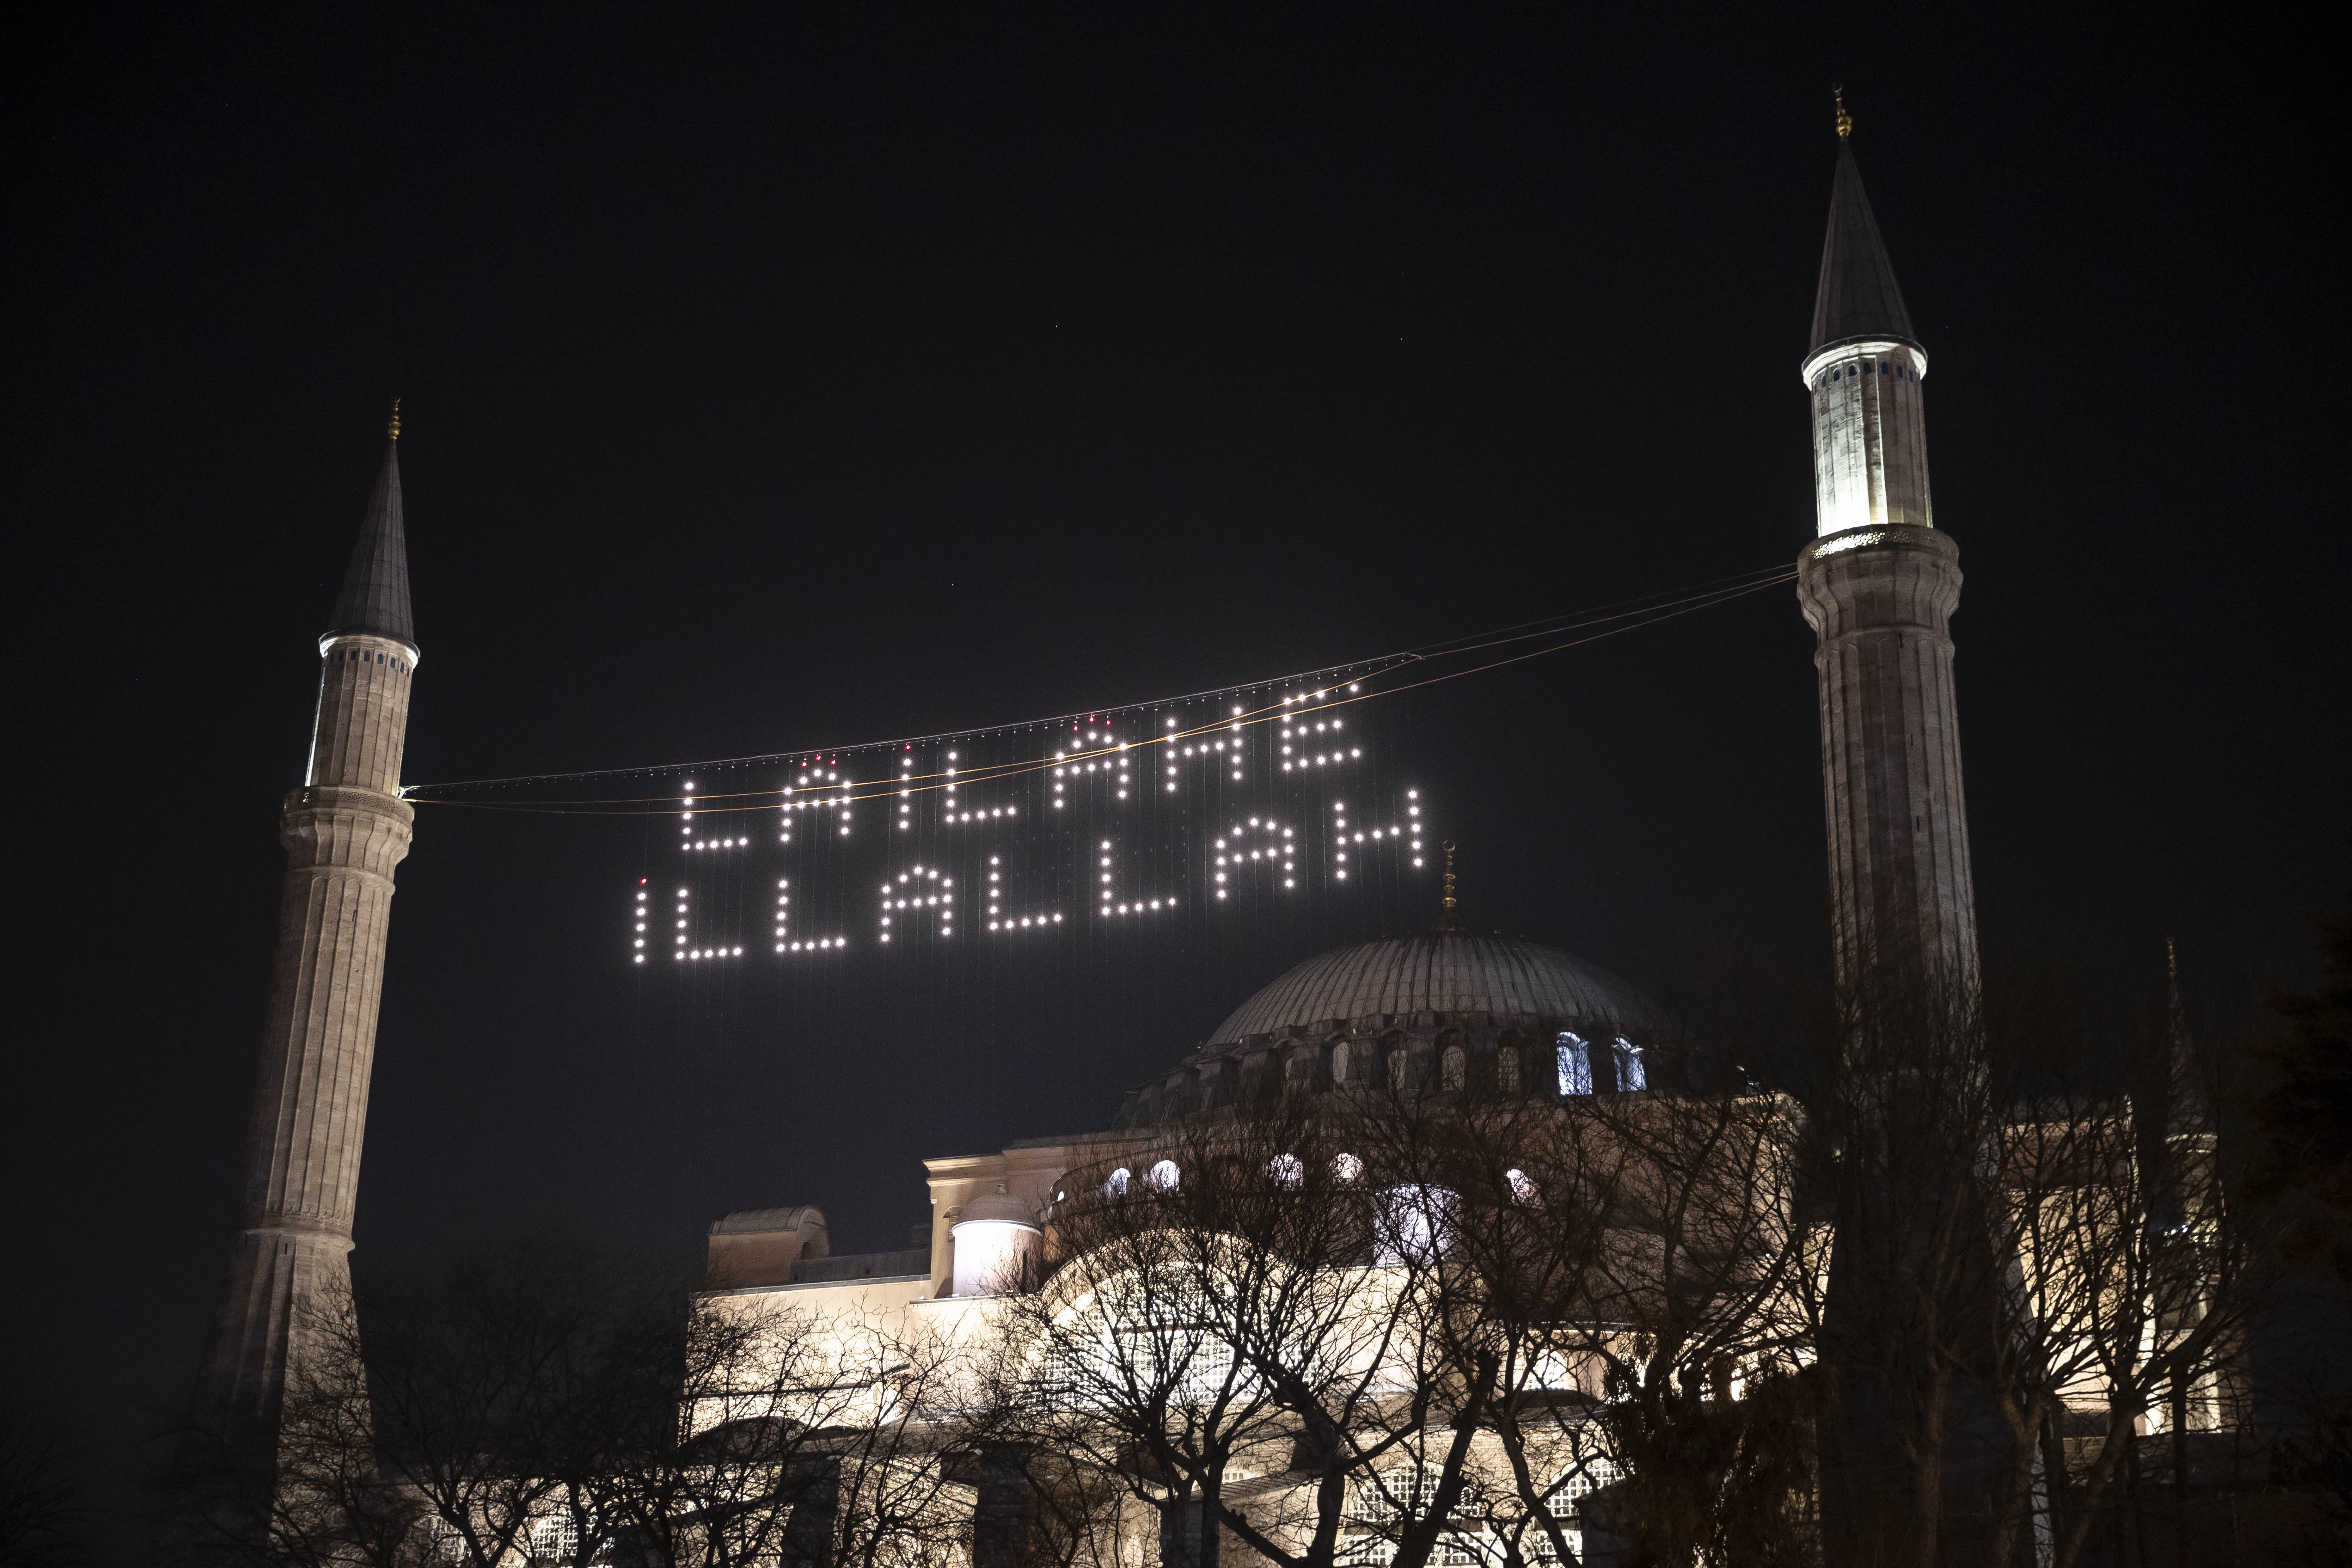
[[761, 1222], [1441, 971]]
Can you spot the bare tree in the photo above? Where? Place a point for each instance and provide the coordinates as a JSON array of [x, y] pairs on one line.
[[1622, 1298], [2124, 1308], [1910, 1116], [882, 1454], [1424, 1323], [42, 1514], [1226, 1316], [2034, 1266], [542, 1401]]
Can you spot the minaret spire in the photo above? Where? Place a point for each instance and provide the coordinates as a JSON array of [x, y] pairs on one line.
[[374, 600], [1857, 296], [344, 831], [1866, 369], [2190, 1111]]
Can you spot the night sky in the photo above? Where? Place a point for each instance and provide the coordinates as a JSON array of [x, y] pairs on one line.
[[775, 381]]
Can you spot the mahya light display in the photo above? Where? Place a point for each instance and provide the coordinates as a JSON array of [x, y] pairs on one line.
[[1042, 827], [1208, 802]]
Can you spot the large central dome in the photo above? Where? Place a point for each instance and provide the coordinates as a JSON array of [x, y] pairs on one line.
[[1440, 971], [1444, 1008]]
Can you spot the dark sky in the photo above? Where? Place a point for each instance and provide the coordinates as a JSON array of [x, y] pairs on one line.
[[776, 380]]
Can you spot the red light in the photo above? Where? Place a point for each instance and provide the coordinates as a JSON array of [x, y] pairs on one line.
[[641, 881]]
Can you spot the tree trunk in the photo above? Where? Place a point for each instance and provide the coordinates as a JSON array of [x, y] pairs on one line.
[[1927, 1471], [2015, 1516], [2095, 1485], [1532, 1496], [1420, 1538]]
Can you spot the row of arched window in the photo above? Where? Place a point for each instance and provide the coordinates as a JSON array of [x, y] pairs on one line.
[[1867, 367], [1579, 1067], [1163, 1177], [1574, 1055], [363, 655]]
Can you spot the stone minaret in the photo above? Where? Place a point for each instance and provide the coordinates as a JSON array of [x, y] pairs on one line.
[[1879, 585], [344, 830]]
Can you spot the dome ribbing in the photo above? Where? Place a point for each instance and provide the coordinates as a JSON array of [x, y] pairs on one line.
[[1440, 971]]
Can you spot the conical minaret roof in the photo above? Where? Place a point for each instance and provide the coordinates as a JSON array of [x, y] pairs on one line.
[[2191, 1111], [1858, 297], [374, 600]]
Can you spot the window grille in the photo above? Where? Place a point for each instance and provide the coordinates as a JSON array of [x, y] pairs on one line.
[[1407, 1489], [555, 1538], [1597, 1473], [1575, 1065]]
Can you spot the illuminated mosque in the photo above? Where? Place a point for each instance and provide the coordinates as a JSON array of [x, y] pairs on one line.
[[1447, 1007]]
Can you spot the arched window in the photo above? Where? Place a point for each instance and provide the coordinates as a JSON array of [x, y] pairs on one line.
[[1347, 1167], [1631, 1077], [1340, 1062], [1506, 1069], [1396, 1067], [1523, 1188], [1454, 1067], [1575, 1064], [1164, 1176], [1287, 1170], [1416, 1224], [1116, 1186]]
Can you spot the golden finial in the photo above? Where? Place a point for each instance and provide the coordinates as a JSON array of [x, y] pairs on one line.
[[1446, 922], [1844, 121], [394, 431]]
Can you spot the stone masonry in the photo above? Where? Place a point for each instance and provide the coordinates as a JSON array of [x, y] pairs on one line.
[[1880, 600]]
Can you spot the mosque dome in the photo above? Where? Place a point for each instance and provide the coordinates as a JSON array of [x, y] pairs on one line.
[[1445, 972], [1458, 1007]]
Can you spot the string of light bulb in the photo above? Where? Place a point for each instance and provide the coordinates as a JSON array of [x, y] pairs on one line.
[[904, 784]]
